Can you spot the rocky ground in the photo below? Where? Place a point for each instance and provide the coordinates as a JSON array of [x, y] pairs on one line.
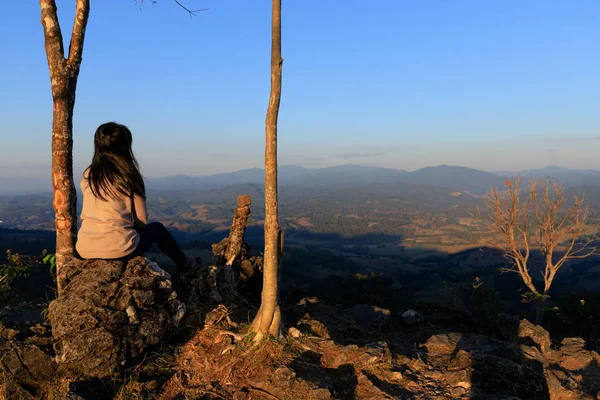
[[362, 352]]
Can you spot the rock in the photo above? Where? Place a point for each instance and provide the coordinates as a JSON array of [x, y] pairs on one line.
[[306, 301], [317, 328], [10, 390], [418, 365], [432, 374], [240, 395], [215, 316], [369, 318], [574, 357], [39, 329], [539, 335], [379, 350], [533, 353], [461, 360], [7, 333], [396, 376], [281, 381], [110, 312], [28, 365], [444, 343], [283, 374], [320, 394], [295, 333], [458, 379], [556, 391], [25, 366], [412, 317], [41, 342], [572, 345], [498, 375], [366, 358], [458, 392]]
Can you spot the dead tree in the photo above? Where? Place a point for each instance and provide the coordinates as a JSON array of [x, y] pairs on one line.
[[63, 79], [539, 217], [268, 319], [238, 229], [223, 274]]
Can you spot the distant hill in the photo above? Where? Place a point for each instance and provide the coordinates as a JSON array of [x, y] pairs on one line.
[[451, 177], [251, 175], [25, 185], [343, 176], [348, 175], [338, 176], [570, 177], [351, 175], [462, 178]]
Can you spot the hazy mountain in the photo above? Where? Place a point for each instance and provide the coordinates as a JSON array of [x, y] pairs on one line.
[[462, 178], [251, 175], [569, 177], [339, 176], [348, 175], [25, 185], [351, 175]]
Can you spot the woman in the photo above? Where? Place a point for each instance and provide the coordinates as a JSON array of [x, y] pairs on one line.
[[114, 217]]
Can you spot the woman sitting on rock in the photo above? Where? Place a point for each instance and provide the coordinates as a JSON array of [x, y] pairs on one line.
[[114, 217]]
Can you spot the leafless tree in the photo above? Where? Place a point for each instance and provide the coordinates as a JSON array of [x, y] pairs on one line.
[[268, 319], [539, 217], [64, 72]]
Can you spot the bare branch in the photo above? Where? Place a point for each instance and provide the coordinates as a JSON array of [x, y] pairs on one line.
[[191, 12], [52, 34], [82, 11]]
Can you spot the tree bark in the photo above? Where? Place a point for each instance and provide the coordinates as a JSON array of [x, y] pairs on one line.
[[235, 243], [238, 229], [63, 80], [268, 319]]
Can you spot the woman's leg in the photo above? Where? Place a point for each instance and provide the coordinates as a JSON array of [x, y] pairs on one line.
[[156, 232]]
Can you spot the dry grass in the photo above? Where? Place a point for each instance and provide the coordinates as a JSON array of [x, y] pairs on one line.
[[210, 365]]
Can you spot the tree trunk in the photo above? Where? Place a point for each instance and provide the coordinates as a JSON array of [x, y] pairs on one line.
[[268, 319], [229, 273], [63, 80], [65, 197], [238, 229]]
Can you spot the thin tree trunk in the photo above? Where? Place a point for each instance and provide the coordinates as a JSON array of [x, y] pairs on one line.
[[63, 79], [65, 196], [268, 319]]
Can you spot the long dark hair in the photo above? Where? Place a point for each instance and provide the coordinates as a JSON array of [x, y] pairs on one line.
[[114, 170]]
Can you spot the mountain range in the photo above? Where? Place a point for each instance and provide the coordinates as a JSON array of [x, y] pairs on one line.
[[352, 175], [454, 177]]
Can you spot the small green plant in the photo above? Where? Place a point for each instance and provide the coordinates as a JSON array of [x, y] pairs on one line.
[[50, 259], [17, 266]]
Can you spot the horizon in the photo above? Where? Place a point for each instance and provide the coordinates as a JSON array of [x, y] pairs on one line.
[[388, 84], [78, 173]]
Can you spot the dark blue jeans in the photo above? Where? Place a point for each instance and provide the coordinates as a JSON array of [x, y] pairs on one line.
[[156, 232]]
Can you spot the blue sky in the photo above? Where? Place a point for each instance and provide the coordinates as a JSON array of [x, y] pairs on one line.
[[494, 85]]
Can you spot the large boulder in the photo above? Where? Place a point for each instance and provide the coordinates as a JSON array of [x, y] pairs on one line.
[[110, 312]]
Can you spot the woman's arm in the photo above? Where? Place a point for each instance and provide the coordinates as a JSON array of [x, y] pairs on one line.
[[140, 213]]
